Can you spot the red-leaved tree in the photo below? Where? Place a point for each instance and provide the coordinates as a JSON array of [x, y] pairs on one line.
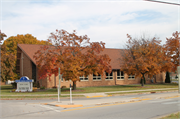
[[75, 55], [145, 56], [172, 48]]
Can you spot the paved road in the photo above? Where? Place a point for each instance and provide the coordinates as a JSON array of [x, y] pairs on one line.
[[144, 109]]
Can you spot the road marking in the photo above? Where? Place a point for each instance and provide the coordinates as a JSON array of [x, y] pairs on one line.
[[98, 106], [147, 99], [135, 98], [94, 96], [50, 108], [172, 97], [68, 106], [97, 96]]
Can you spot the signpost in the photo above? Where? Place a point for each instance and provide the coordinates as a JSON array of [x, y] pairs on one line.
[[24, 84], [70, 95], [59, 87]]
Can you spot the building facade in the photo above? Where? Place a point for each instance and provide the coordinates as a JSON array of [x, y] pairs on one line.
[[26, 66]]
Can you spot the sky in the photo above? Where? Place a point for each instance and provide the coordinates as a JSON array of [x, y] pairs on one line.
[[101, 20]]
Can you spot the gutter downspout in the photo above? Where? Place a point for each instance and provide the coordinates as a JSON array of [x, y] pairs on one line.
[[22, 63]]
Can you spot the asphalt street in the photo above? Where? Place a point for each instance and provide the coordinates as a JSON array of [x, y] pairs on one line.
[[145, 109]]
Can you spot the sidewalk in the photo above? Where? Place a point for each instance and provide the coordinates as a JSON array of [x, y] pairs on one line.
[[106, 101]]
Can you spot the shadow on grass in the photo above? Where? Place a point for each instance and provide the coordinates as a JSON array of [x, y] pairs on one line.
[[6, 87]]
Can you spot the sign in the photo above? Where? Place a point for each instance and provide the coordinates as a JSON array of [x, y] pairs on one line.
[[24, 79], [24, 84]]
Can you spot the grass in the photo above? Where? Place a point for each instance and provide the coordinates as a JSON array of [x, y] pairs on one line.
[[6, 90], [49, 96], [172, 116]]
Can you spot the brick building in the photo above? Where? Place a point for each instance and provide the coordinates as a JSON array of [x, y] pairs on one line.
[[26, 66]]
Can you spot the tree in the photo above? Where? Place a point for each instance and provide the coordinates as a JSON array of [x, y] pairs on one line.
[[75, 55], [11, 42], [172, 49], [144, 56], [9, 51], [2, 35], [167, 80]]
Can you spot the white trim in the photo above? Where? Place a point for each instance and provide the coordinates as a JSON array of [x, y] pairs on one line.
[[131, 77], [97, 78], [120, 75], [83, 77], [109, 77]]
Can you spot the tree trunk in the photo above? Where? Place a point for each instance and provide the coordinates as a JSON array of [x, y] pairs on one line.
[[142, 84], [154, 78], [74, 85]]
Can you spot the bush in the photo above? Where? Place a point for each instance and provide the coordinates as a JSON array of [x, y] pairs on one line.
[[14, 85], [34, 89], [13, 90], [176, 77], [42, 87], [167, 80], [54, 87], [62, 87]]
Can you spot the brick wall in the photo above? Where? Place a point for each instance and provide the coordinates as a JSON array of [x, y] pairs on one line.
[[27, 71], [27, 66], [103, 82], [2, 83]]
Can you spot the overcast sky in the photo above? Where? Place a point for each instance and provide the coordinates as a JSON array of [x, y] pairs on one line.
[[102, 20]]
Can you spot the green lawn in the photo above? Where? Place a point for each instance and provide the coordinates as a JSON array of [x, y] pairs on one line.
[[6, 90], [172, 116]]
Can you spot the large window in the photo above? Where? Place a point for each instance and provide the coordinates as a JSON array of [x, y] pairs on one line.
[[83, 78], [120, 75], [96, 78], [109, 76], [131, 77]]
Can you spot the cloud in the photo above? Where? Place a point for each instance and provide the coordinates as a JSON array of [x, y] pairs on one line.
[[107, 21]]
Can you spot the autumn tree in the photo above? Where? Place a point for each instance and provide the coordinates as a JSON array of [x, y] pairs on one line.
[[2, 35], [75, 55], [144, 56], [9, 51], [172, 49]]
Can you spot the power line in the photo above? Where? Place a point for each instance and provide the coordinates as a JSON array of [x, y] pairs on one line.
[[163, 2]]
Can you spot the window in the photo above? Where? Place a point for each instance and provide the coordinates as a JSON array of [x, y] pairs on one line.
[[109, 76], [98, 77], [131, 77], [83, 78], [120, 75]]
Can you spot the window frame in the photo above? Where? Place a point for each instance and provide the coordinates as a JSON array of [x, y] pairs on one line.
[[83, 78], [121, 75], [109, 76], [131, 77], [96, 77]]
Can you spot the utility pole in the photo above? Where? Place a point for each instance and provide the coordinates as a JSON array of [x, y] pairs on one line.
[[163, 2]]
